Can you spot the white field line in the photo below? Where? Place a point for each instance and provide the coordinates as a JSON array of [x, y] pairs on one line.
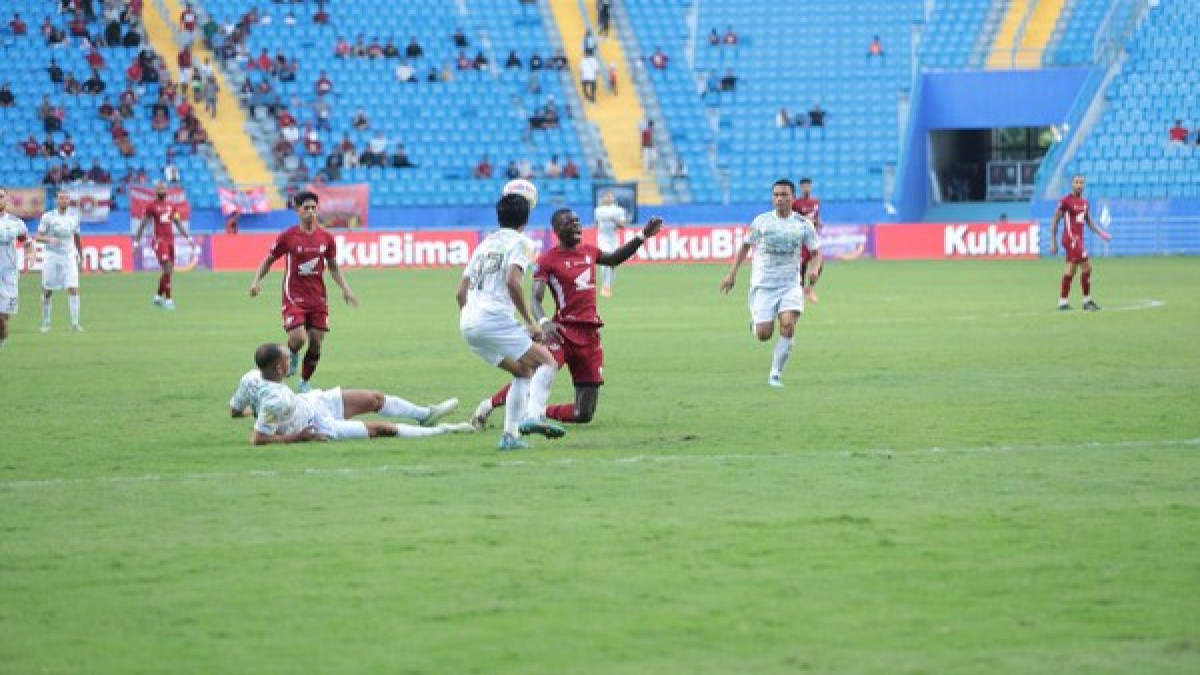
[[1137, 305], [530, 461]]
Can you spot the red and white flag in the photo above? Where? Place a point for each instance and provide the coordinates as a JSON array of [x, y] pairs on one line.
[[243, 200]]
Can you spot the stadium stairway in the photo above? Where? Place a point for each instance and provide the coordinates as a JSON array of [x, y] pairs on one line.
[[1001, 56], [1031, 22], [617, 117], [227, 131]]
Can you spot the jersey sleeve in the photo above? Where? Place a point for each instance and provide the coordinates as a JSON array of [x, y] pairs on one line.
[[520, 254], [330, 247], [244, 394], [42, 225], [270, 413], [280, 248], [812, 239], [753, 233]]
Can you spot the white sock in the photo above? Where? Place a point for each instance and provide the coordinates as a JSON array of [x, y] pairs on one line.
[[608, 274], [539, 391], [73, 306], [47, 309], [783, 351], [394, 406], [410, 431], [514, 405]]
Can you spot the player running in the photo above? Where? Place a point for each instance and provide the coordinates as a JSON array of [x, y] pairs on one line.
[[58, 231], [164, 215], [1074, 210], [282, 416], [573, 335], [776, 291], [309, 249], [809, 207]]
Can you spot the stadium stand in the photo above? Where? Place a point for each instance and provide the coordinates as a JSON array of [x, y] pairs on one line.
[[1127, 154]]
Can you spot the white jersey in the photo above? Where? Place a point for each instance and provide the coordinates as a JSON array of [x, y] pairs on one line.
[[777, 243], [12, 229], [62, 227], [247, 391], [281, 411], [608, 218], [487, 294]]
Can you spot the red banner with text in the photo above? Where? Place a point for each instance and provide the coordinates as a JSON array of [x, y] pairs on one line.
[[945, 241]]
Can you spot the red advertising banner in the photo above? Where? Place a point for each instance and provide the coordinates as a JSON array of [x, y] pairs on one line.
[[243, 200], [141, 195], [720, 243], [27, 203], [436, 248], [111, 253], [343, 206], [956, 241]]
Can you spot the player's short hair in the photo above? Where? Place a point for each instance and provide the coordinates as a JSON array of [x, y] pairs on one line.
[[512, 211], [805, 181], [268, 355], [304, 196], [785, 182], [560, 216]]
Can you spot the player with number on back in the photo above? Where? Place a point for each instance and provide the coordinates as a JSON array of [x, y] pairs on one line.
[[309, 248], [775, 289], [809, 207], [573, 334], [1074, 210], [165, 217]]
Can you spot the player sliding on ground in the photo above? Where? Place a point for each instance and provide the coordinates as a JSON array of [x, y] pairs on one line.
[[573, 335], [775, 288], [282, 416]]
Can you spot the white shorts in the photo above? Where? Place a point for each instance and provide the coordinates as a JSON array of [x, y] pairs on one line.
[[340, 430], [59, 272], [768, 302], [8, 292], [607, 242], [494, 341], [327, 402]]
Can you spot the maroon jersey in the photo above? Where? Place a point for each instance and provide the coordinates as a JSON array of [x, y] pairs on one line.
[[571, 276], [163, 215], [1075, 212], [305, 254], [809, 207]]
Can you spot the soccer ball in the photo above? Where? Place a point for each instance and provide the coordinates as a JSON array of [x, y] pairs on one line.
[[522, 187]]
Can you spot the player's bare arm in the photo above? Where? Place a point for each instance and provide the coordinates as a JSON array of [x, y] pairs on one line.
[[137, 238], [179, 227], [309, 434], [1094, 228], [347, 294], [1058, 215], [79, 250], [730, 279], [549, 327], [256, 284], [626, 251], [244, 412], [515, 291], [815, 264]]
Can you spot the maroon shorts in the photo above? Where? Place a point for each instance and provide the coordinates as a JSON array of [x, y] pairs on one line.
[[1075, 250], [164, 251], [581, 352], [314, 318]]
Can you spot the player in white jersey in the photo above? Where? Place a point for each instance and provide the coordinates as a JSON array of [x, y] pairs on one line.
[[12, 232], [491, 290], [58, 231], [283, 416], [610, 219], [776, 291]]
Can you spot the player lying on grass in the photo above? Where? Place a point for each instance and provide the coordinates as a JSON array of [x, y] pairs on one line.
[[573, 335], [282, 416]]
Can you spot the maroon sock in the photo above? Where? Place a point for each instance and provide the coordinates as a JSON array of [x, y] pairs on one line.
[[162, 283], [167, 286], [563, 413], [1066, 286], [1086, 282], [310, 365], [499, 397]]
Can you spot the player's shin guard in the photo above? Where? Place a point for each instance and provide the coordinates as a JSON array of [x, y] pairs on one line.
[[310, 365], [1085, 284], [1066, 286], [539, 390], [514, 410], [564, 412], [394, 406], [783, 351]]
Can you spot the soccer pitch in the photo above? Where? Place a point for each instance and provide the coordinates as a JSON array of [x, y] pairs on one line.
[[956, 478]]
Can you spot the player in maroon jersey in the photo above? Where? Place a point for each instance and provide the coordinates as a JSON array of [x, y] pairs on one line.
[[165, 216], [573, 334], [309, 248], [810, 207], [1073, 209]]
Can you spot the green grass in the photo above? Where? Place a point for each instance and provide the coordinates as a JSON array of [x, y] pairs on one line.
[[956, 479]]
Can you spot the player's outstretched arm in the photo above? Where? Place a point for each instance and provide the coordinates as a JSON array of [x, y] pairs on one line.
[[731, 278], [548, 326], [137, 237], [263, 268], [626, 251], [347, 294], [516, 274], [1058, 214], [460, 295], [1094, 228]]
